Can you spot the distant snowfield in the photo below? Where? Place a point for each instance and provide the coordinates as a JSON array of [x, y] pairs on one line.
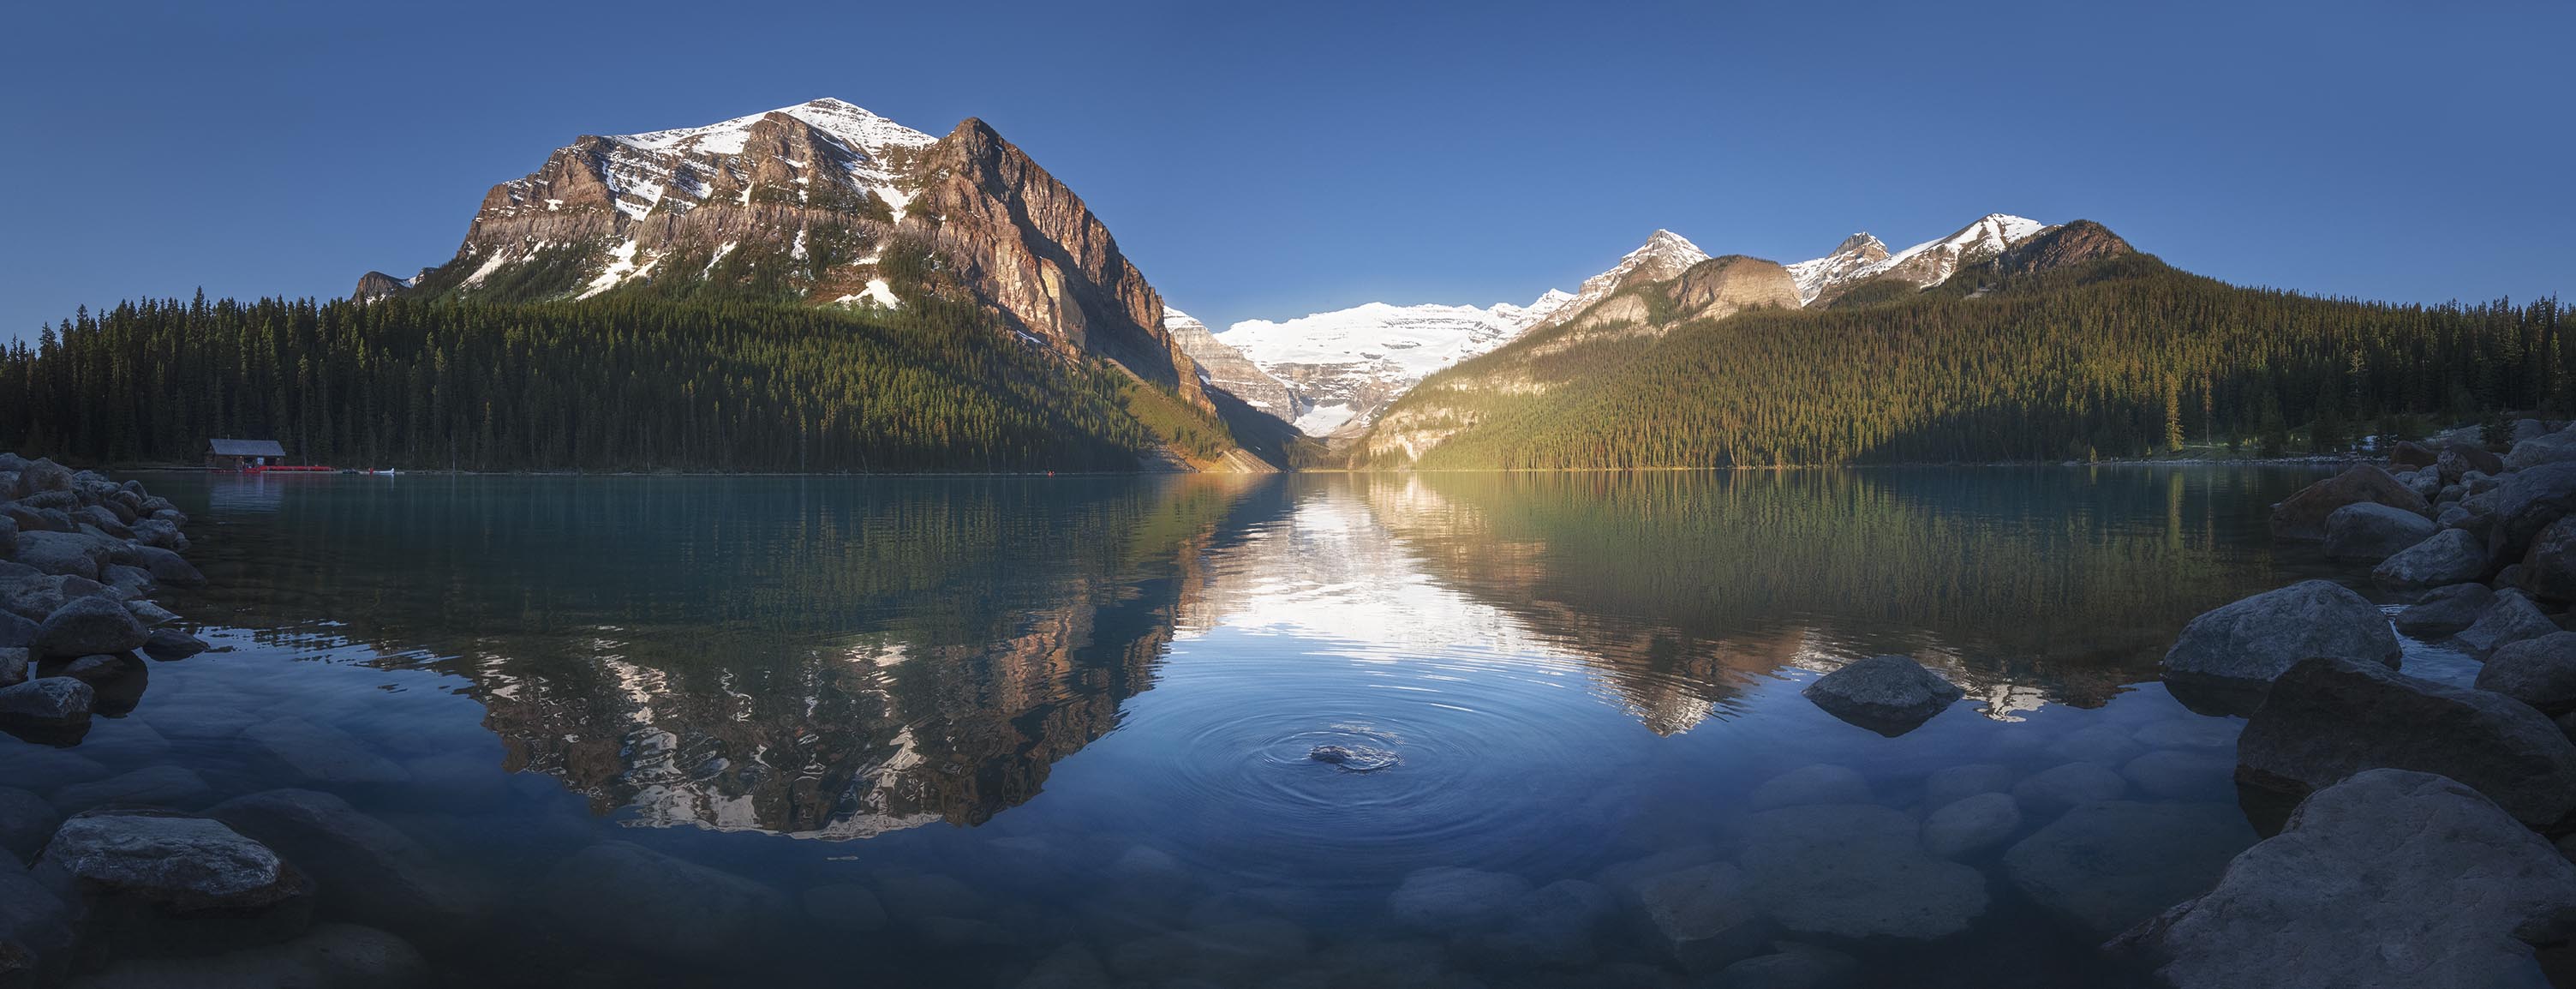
[[1347, 362]]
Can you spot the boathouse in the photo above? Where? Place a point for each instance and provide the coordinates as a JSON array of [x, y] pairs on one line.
[[237, 454]]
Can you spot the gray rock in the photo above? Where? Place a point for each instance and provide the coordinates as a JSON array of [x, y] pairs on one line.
[[2106, 866], [63, 553], [323, 754], [2328, 719], [1552, 927], [1950, 784], [2540, 451], [155, 883], [13, 665], [2527, 502], [164, 786], [167, 644], [150, 614], [2512, 618], [1817, 784], [2303, 515], [46, 703], [626, 896], [365, 867], [16, 631], [2184, 774], [1447, 898], [1856, 871], [2450, 556], [26, 822], [1971, 825], [2450, 516], [42, 475], [1794, 966], [2051, 792], [2389, 878], [844, 907], [2371, 532], [1890, 695], [2549, 566], [169, 568], [2539, 671], [2251, 641], [1703, 917], [2445, 610], [89, 626], [128, 582], [2529, 429]]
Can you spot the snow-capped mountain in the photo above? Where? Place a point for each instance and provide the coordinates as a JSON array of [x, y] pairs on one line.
[[1862, 258], [1339, 367], [1227, 368], [825, 202], [1664, 255]]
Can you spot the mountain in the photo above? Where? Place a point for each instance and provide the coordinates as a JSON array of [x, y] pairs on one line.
[[1338, 368], [2030, 343], [1227, 368], [1862, 259], [826, 203]]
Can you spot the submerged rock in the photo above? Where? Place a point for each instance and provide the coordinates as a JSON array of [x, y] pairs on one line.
[[627, 896], [1856, 871], [2390, 878], [1704, 916], [1890, 695], [2052, 792], [2328, 719], [361, 865], [46, 704], [2106, 866], [1971, 825], [1817, 784], [1448, 898], [322, 753], [1950, 784], [1794, 966]]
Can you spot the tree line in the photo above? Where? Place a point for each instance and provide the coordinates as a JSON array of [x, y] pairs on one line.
[[625, 382]]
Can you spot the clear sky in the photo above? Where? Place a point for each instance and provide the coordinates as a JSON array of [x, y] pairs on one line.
[[1272, 160]]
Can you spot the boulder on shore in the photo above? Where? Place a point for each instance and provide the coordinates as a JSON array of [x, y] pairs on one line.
[[2450, 556], [2527, 502], [89, 626], [2513, 618], [1890, 695], [2445, 610], [2389, 878], [2235, 649], [2538, 671], [2327, 719], [2549, 566], [2303, 515], [2368, 531]]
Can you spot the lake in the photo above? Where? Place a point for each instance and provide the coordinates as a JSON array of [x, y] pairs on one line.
[[1057, 731]]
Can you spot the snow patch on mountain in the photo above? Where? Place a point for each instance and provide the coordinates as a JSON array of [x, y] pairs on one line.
[[851, 123], [1863, 258]]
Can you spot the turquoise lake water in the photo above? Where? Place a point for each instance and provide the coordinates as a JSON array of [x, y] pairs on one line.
[[1056, 731]]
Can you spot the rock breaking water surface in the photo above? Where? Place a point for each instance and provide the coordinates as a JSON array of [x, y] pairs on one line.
[[1441, 730]]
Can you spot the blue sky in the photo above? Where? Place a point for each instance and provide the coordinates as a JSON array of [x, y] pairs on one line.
[[1271, 160]]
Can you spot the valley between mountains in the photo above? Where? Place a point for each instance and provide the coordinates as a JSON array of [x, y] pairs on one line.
[[819, 288]]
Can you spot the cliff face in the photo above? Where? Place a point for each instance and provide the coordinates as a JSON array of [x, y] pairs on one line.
[[2063, 246], [1034, 252]]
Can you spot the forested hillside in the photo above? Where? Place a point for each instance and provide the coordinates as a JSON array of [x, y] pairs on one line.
[[2117, 357], [623, 382]]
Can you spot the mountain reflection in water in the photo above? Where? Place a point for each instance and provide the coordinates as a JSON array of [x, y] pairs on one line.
[[839, 658]]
